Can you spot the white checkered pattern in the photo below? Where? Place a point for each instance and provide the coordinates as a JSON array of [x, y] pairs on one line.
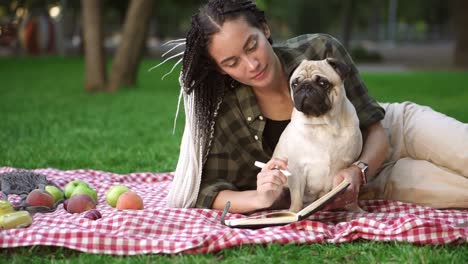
[[158, 229]]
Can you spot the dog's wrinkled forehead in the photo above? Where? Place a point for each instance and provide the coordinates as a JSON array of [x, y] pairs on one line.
[[310, 68]]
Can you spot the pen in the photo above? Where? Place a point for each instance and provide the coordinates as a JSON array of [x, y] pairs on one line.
[[261, 165]]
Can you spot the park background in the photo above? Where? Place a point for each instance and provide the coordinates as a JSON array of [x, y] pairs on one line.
[[428, 34], [68, 107]]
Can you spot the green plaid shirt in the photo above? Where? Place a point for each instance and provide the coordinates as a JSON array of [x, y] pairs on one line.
[[238, 134]]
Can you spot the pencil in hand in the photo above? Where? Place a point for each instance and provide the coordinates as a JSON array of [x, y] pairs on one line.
[[260, 165]]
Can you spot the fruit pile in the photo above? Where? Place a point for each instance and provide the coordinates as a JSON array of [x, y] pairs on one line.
[[79, 197]]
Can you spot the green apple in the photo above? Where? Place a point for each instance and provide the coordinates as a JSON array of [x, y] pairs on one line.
[[55, 192], [85, 190], [70, 187], [113, 194]]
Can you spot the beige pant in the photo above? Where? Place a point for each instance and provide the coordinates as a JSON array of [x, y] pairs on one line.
[[428, 160]]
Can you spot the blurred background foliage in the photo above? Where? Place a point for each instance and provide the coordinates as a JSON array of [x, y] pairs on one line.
[[416, 20], [374, 31]]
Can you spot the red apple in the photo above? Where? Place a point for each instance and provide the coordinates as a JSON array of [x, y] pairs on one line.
[[65, 203], [79, 203], [81, 189], [129, 200], [40, 197]]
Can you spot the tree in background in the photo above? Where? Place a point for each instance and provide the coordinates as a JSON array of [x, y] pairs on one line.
[[95, 68], [131, 48], [129, 52]]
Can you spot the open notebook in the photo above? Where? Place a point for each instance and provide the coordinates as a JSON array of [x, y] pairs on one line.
[[284, 217]]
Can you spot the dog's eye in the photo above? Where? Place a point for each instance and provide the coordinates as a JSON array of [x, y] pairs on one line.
[[295, 83], [324, 83]]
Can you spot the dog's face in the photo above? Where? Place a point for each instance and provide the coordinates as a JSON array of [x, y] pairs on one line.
[[316, 86]]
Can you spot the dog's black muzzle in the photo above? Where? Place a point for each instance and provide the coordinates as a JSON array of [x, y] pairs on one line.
[[312, 97]]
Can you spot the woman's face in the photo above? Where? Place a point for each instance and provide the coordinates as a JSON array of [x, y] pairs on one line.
[[243, 52]]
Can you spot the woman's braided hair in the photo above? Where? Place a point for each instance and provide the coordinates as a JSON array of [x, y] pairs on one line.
[[200, 75]]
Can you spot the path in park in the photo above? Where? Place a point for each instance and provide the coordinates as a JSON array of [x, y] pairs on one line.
[[404, 57]]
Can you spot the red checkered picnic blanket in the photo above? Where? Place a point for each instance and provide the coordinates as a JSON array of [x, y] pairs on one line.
[[159, 229]]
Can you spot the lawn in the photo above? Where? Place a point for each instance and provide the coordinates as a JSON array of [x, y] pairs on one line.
[[47, 120]]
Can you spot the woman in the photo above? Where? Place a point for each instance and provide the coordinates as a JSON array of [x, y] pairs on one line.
[[237, 104]]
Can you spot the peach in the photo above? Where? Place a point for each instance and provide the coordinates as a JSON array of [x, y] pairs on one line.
[[40, 197], [129, 200], [79, 203]]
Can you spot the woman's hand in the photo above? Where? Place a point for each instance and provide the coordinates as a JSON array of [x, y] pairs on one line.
[[270, 182], [353, 175]]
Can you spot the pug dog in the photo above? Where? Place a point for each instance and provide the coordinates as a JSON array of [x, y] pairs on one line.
[[323, 136]]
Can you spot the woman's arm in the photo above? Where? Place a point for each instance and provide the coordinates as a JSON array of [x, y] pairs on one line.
[[241, 201], [375, 148], [270, 182], [374, 151]]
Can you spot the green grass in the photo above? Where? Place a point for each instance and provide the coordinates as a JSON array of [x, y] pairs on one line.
[[356, 252], [47, 120]]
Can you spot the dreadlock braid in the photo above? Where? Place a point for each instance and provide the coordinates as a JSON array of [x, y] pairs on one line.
[[200, 75], [199, 78]]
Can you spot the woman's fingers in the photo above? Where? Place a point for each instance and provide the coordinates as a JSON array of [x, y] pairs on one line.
[[351, 193], [270, 186], [270, 180], [273, 166], [272, 176], [276, 163]]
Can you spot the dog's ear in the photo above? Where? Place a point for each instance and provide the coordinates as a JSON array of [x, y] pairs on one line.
[[340, 67]]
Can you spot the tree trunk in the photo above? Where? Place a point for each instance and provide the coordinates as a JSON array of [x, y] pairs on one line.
[[130, 50], [95, 69], [461, 33]]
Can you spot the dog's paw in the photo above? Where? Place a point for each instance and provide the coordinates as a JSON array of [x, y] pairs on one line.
[[295, 208]]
